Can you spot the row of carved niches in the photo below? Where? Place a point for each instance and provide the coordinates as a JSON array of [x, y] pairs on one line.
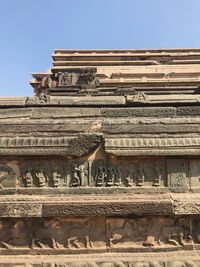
[[109, 173], [76, 234], [101, 174]]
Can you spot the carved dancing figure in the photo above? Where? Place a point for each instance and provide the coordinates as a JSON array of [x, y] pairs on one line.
[[117, 181], [141, 176], [56, 179], [42, 179], [111, 177], [28, 178], [83, 175], [76, 179], [158, 174], [101, 175], [131, 176]]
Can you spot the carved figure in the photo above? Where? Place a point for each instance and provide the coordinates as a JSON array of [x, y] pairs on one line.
[[48, 234], [28, 178], [178, 180], [141, 176], [18, 235], [130, 230], [131, 176], [177, 173], [43, 98], [79, 176], [64, 79], [83, 175], [56, 179], [177, 234], [5, 234], [101, 175], [42, 179], [88, 77], [76, 181], [158, 174], [111, 176], [79, 232]]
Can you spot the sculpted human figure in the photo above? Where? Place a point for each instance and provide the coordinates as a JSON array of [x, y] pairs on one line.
[[83, 175], [158, 174], [110, 177], [56, 179], [101, 175], [28, 178], [141, 176], [113, 177], [76, 180], [64, 79], [42, 179]]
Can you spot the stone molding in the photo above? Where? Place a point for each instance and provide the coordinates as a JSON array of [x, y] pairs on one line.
[[135, 204]]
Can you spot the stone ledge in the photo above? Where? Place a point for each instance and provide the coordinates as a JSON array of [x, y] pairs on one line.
[[168, 259], [83, 205], [102, 205]]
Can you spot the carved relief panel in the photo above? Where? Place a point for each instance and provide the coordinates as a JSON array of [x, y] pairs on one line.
[[149, 232], [130, 173], [54, 173], [68, 235], [177, 171]]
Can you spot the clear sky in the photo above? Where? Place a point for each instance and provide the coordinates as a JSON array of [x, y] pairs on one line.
[[31, 29]]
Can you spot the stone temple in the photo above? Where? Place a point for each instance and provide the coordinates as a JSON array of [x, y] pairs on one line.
[[101, 166]]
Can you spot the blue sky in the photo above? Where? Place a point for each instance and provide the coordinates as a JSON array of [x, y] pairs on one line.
[[31, 29]]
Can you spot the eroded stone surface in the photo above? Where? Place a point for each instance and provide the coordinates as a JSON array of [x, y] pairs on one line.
[[101, 167]]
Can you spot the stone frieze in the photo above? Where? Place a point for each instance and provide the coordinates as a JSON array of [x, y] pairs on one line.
[[100, 234]]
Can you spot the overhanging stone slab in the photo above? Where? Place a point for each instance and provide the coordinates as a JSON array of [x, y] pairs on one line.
[[153, 146]]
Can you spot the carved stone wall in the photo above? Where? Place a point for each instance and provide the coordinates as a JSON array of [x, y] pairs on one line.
[[101, 167]]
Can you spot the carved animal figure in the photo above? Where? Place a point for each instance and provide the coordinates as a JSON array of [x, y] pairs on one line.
[[177, 234], [130, 230], [5, 234], [16, 234], [78, 232], [50, 233]]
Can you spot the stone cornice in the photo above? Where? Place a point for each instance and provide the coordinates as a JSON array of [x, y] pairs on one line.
[[86, 205], [153, 146]]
